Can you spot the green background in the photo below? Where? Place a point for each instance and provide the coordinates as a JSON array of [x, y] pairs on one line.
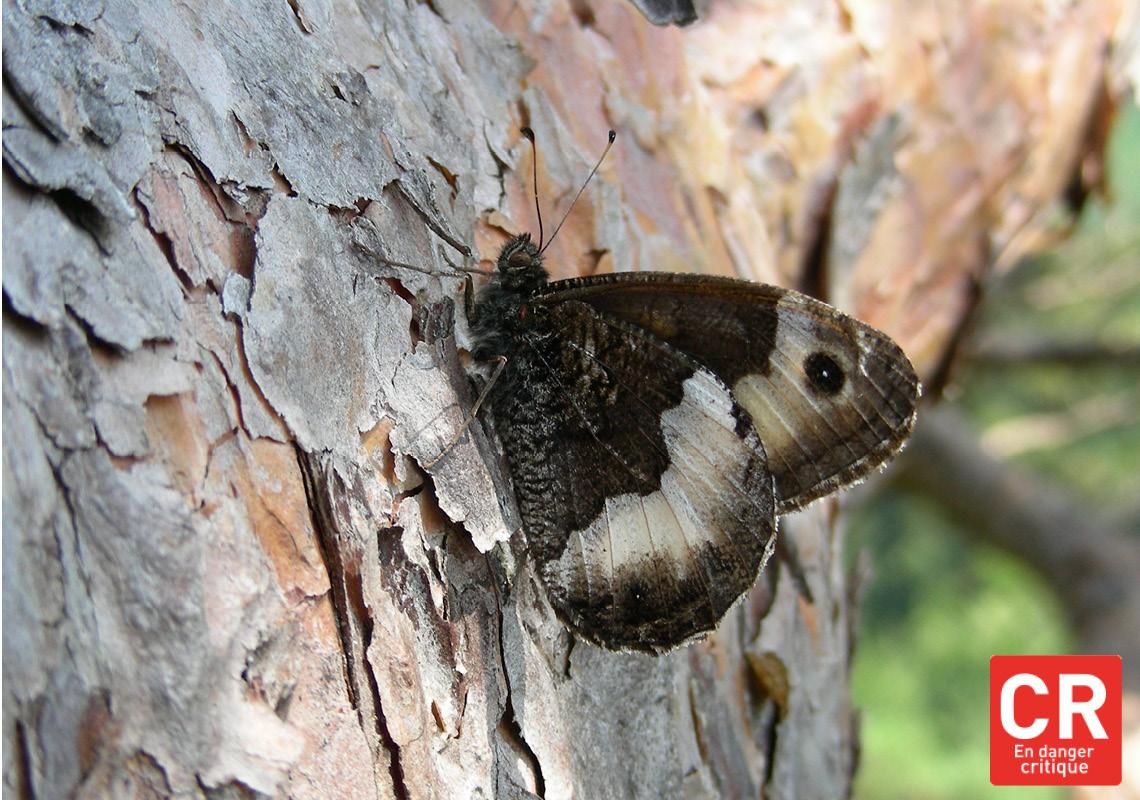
[[937, 607]]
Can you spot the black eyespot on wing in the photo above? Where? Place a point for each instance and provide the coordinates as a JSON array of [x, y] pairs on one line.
[[758, 340], [824, 374], [636, 592]]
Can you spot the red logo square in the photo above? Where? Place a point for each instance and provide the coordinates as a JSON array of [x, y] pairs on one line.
[[1055, 720]]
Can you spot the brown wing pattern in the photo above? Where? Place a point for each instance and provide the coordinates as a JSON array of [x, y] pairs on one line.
[[642, 485], [831, 397]]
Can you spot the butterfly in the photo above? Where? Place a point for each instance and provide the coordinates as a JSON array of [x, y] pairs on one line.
[[655, 425]]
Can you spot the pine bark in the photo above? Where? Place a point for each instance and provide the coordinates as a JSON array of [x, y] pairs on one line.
[[227, 572]]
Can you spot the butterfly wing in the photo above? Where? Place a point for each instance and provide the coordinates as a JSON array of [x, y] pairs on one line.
[[831, 397], [642, 485]]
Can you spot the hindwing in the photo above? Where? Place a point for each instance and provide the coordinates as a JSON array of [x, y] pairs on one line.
[[643, 486]]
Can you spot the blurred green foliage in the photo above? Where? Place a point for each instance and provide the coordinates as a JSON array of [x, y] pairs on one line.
[[936, 607]]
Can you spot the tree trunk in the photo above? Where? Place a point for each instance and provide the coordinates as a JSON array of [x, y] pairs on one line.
[[226, 571]]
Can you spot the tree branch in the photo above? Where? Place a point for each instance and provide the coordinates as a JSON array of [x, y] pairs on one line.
[[1002, 352], [1090, 565]]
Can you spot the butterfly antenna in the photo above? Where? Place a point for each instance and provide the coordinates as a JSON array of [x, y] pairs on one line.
[[585, 183], [529, 134]]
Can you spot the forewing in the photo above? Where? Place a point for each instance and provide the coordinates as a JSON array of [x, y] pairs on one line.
[[831, 397], [642, 486]]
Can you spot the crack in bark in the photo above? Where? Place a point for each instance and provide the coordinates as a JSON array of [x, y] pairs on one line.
[[231, 790], [509, 726], [40, 122], [281, 183], [330, 554], [698, 732], [83, 214], [299, 17], [788, 555], [450, 177], [24, 762], [235, 212], [508, 723], [94, 340], [55, 464], [235, 394], [348, 607], [952, 351], [73, 516], [395, 765], [501, 169], [770, 752], [813, 267], [251, 381], [164, 242]]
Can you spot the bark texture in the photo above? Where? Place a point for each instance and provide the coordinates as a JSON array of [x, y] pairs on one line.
[[225, 572]]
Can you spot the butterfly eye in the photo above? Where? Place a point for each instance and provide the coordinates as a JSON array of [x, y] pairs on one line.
[[824, 374], [520, 258]]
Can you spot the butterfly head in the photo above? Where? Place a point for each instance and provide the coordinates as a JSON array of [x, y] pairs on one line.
[[520, 265]]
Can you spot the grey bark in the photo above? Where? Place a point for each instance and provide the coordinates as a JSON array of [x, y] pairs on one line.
[[224, 573]]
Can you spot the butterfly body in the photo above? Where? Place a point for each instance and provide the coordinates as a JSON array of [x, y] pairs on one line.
[[655, 425]]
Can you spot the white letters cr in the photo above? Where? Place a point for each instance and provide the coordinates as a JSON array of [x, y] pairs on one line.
[[1008, 720], [1067, 707]]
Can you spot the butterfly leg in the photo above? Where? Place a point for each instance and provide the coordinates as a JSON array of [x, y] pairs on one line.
[[469, 306], [502, 362], [455, 272]]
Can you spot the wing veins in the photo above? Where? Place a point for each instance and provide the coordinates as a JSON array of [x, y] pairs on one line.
[[675, 428], [706, 579], [605, 445]]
